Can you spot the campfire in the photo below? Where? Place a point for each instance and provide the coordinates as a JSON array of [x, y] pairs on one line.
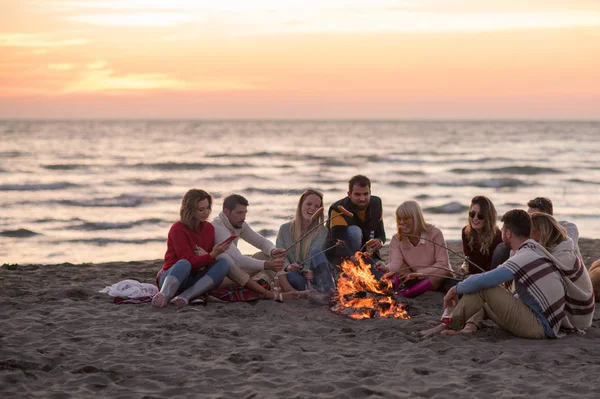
[[361, 296]]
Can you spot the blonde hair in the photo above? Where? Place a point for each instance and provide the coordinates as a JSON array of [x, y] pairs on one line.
[[410, 209], [302, 249], [488, 233], [189, 203], [551, 232]]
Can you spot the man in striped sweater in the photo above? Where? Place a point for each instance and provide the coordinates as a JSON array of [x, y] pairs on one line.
[[546, 305]]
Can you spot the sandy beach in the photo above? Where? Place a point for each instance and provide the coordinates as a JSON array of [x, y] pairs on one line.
[[60, 338]]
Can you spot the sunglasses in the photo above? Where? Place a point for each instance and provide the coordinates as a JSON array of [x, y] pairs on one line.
[[472, 215], [402, 220]]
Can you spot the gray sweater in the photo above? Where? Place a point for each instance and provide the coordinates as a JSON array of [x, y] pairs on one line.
[[285, 239]]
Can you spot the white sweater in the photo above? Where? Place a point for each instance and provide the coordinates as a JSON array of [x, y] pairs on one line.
[[224, 229]]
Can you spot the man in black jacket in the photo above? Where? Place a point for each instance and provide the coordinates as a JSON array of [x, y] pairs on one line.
[[364, 229]]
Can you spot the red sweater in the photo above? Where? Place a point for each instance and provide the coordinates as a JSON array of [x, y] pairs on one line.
[[182, 241]]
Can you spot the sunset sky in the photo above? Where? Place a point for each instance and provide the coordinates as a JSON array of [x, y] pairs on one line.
[[250, 59]]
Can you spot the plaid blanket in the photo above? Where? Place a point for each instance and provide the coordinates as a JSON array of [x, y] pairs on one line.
[[237, 294], [561, 290]]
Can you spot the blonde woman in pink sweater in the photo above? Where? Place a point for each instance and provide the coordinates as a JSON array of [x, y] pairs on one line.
[[418, 247]]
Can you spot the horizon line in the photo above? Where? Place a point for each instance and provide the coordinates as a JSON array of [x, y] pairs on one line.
[[186, 119]]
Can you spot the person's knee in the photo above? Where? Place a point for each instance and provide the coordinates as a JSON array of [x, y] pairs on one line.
[[183, 265], [181, 269], [219, 270], [296, 280], [355, 238]]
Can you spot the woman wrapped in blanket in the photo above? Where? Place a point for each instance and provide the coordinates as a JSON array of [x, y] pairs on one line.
[[305, 261], [481, 238], [417, 250], [191, 266]]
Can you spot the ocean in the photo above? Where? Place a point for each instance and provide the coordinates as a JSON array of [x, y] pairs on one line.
[[100, 191]]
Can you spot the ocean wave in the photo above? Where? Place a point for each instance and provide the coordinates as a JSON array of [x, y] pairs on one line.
[[153, 182], [260, 154], [267, 232], [122, 201], [450, 207], [20, 233], [103, 241], [97, 226], [38, 187], [507, 182], [274, 191], [580, 181], [11, 154], [404, 183], [173, 166], [62, 166], [52, 220], [514, 170]]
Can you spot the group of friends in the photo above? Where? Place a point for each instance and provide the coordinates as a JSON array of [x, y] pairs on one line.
[[528, 277]]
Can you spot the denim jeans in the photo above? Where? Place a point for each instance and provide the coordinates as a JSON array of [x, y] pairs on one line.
[[355, 238], [323, 281], [182, 269]]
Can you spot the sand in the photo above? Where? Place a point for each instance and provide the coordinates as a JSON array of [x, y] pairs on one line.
[[60, 338]]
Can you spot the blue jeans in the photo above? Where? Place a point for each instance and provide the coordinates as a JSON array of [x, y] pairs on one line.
[[323, 281], [355, 238], [182, 269]]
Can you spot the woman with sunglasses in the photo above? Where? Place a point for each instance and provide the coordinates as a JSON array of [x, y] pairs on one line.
[[481, 238], [418, 247], [305, 262]]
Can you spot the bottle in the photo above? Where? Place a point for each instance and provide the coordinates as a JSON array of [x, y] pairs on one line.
[[447, 316], [277, 289]]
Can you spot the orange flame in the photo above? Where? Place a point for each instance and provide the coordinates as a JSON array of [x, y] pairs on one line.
[[356, 277]]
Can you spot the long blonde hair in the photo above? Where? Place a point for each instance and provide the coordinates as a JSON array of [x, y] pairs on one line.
[[302, 249], [488, 233], [189, 203], [551, 232], [411, 209]]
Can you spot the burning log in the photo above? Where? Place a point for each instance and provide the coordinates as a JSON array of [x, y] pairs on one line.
[[361, 296]]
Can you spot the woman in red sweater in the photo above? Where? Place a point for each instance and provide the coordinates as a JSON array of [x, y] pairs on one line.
[[191, 266], [481, 237]]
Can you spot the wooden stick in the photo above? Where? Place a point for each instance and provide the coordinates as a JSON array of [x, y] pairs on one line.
[[310, 230], [431, 275], [438, 267], [317, 254], [443, 246]]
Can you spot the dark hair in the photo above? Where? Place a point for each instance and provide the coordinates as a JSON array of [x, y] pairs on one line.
[[544, 204], [518, 222], [189, 202], [361, 180], [233, 200]]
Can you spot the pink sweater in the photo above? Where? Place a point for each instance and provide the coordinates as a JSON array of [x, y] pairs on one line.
[[424, 253]]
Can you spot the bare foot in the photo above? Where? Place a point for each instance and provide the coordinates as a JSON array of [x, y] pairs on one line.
[[179, 301], [469, 328], [159, 300], [442, 328]]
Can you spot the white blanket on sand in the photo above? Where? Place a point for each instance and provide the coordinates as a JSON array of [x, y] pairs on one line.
[[130, 289]]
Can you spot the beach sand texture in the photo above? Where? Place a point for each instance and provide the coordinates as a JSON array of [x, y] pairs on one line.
[[60, 338]]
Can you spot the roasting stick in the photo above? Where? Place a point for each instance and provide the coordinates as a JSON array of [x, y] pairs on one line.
[[437, 267], [338, 243], [410, 276], [443, 246], [319, 212]]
